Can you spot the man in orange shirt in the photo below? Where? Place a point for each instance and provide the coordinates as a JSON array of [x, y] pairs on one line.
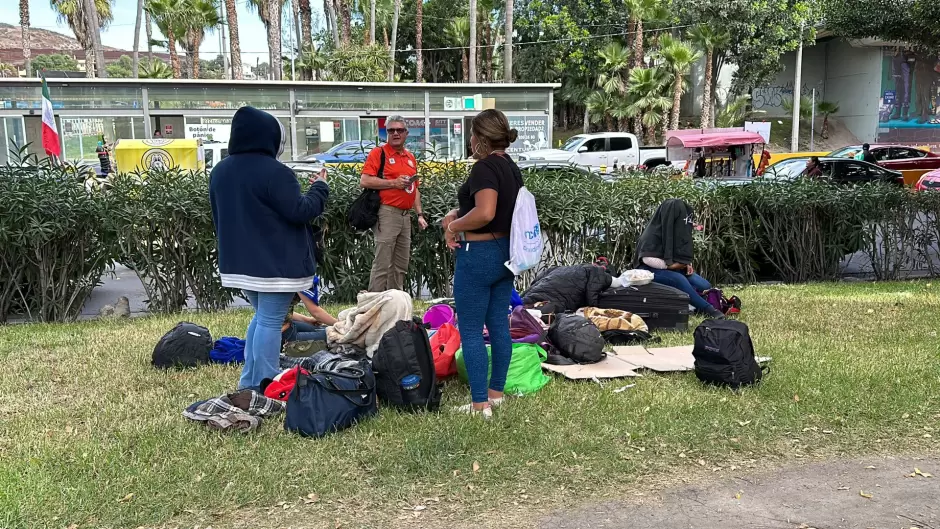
[[397, 183]]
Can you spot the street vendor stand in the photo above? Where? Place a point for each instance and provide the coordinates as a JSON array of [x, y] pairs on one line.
[[728, 152]]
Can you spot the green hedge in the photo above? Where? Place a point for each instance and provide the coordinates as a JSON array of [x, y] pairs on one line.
[[58, 235]]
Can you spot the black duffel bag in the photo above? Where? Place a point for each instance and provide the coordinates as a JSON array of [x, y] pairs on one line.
[[363, 214], [324, 402]]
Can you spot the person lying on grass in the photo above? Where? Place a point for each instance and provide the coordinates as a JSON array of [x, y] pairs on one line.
[[300, 328], [665, 248]]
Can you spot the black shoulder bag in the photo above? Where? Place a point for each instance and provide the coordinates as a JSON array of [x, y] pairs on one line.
[[363, 214]]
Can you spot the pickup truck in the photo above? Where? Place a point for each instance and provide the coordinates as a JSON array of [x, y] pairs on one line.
[[602, 149]]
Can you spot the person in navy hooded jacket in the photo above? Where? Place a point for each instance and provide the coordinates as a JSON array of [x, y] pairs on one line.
[[262, 222]]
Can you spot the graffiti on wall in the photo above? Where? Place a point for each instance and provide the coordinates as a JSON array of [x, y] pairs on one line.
[[909, 105], [767, 97]]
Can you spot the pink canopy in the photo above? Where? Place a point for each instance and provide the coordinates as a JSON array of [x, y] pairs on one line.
[[691, 139]]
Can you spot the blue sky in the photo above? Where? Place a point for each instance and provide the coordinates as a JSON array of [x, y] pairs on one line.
[[120, 34]]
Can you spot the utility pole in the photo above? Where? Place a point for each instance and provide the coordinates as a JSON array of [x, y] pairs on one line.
[[797, 84]]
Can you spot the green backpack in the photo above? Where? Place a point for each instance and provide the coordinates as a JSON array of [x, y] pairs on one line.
[[525, 369]]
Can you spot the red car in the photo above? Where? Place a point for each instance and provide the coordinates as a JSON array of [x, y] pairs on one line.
[[911, 161], [929, 182]]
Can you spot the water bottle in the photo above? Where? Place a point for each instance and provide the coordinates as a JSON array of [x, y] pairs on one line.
[[410, 382]]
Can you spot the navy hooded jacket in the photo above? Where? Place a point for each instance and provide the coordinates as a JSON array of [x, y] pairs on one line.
[[262, 220]]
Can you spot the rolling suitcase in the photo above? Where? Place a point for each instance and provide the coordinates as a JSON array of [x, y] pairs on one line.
[[660, 306]]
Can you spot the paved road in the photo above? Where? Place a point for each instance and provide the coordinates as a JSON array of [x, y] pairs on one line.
[[822, 496]]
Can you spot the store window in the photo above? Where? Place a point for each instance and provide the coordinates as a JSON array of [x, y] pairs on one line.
[[470, 100], [217, 97], [316, 135], [356, 98], [447, 139], [12, 137], [83, 97], [21, 97], [80, 135]]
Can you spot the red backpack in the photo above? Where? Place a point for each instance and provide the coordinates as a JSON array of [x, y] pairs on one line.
[[444, 346]]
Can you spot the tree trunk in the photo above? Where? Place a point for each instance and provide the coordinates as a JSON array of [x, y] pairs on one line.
[[233, 42], [488, 51], [676, 102], [194, 55], [372, 23], [333, 20], [93, 25], [274, 39], [465, 65], [24, 24], [473, 41], [135, 70], [306, 24], [825, 127], [419, 51], [479, 50], [718, 61], [609, 122], [149, 31], [174, 57], [587, 120], [344, 20], [507, 44], [89, 61], [563, 115], [391, 48], [638, 59], [707, 94]]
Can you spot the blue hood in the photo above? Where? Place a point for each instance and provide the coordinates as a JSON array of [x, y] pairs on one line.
[[256, 131]]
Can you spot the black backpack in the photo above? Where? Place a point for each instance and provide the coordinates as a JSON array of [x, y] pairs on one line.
[[577, 338], [404, 368], [186, 345], [363, 214], [724, 354]]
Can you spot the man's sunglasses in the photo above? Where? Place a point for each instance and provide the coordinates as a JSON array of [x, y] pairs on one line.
[[396, 131]]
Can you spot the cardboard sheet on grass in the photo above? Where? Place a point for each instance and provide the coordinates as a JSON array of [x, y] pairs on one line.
[[624, 361]]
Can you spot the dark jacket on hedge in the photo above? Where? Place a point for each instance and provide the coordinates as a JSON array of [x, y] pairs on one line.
[[668, 236], [262, 220], [568, 288]]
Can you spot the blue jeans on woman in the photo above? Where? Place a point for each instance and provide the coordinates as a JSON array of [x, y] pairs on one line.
[[263, 341], [691, 285], [301, 331], [482, 291]]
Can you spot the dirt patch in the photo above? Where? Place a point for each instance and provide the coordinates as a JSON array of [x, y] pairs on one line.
[[853, 494]]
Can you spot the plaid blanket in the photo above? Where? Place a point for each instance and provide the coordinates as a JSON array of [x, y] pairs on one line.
[[242, 411]]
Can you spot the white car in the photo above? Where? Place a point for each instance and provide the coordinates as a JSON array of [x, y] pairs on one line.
[[605, 150]]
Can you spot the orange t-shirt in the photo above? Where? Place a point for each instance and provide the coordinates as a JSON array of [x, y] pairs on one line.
[[397, 164]]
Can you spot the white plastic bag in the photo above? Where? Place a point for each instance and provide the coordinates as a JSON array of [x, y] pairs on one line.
[[525, 240], [636, 277]]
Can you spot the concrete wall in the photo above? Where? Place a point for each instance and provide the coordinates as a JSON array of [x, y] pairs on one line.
[[692, 98], [33, 126], [840, 72]]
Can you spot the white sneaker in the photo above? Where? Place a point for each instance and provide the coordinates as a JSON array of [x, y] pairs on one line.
[[486, 413]]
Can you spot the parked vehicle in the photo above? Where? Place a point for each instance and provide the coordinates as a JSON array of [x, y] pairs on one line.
[[840, 171], [602, 149], [929, 181], [559, 169], [346, 152], [910, 161]]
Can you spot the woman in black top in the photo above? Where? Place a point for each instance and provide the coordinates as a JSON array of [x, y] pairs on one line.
[[479, 232]]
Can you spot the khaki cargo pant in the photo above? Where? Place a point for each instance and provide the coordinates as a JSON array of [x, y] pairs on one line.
[[392, 249]]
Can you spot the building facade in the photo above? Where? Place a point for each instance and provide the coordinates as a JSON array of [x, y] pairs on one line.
[[317, 115]]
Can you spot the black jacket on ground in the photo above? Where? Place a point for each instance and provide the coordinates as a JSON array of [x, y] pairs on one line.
[[568, 288], [668, 236]]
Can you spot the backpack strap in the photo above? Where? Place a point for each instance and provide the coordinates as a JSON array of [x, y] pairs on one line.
[[381, 171]]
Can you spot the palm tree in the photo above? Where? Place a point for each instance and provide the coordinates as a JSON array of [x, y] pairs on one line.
[[306, 23], [507, 44], [269, 11], [345, 20], [8, 70], [600, 106], [473, 40], [736, 112], [149, 23], [329, 11], [826, 108], [24, 25], [202, 17], [642, 11], [647, 100], [235, 51], [170, 16], [680, 56], [419, 52], [135, 69], [72, 12], [575, 89], [91, 21], [806, 107], [391, 49], [708, 40], [155, 69], [458, 32], [313, 61], [611, 80]]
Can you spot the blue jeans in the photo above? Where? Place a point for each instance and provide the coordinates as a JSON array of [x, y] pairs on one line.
[[482, 291], [263, 341], [301, 331], [691, 285]]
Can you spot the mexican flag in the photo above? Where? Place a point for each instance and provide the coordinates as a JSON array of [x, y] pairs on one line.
[[50, 135]]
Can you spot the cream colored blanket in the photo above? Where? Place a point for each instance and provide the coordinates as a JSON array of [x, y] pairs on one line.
[[375, 313]]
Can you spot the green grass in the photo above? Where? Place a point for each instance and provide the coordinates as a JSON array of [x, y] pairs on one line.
[[85, 422]]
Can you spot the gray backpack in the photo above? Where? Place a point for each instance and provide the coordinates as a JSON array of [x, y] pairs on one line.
[[577, 338]]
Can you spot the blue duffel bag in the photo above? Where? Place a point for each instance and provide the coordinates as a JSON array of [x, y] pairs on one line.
[[328, 401]]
